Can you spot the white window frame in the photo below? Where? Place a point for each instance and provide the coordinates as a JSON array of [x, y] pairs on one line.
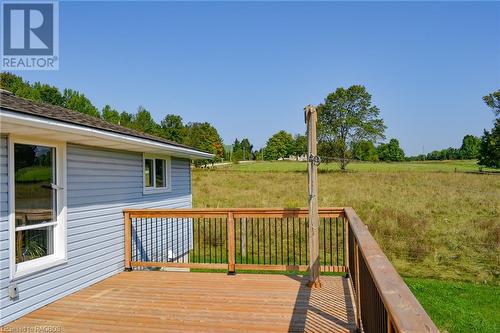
[[60, 255], [168, 184]]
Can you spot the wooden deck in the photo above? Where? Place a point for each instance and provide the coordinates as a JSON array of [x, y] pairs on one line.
[[156, 301]]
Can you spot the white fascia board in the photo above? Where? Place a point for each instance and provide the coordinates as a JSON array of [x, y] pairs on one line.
[[50, 124]]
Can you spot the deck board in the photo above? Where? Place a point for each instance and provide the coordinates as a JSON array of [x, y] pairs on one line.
[[155, 301]]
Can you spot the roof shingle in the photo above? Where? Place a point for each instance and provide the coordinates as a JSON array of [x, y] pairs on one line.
[[18, 104]]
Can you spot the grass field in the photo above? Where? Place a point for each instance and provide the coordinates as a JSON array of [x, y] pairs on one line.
[[459, 306], [428, 166], [432, 222]]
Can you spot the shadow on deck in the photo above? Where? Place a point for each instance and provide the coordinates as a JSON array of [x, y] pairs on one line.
[[147, 301]]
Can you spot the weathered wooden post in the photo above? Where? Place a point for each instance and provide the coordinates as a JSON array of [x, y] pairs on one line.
[[312, 168]]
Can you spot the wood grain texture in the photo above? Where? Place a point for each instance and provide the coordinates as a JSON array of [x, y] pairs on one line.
[[147, 301]]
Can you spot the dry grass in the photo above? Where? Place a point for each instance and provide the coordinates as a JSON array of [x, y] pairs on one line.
[[430, 224]]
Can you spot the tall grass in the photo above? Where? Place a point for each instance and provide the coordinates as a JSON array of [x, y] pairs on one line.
[[430, 224]]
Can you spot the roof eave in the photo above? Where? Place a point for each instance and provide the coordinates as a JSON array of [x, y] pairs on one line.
[[15, 117]]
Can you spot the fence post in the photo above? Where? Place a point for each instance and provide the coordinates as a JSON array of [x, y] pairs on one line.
[[231, 246], [128, 241]]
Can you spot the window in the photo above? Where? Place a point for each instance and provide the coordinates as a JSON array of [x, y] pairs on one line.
[[37, 206], [156, 174]]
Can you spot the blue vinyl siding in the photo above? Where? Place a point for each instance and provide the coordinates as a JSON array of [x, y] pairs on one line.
[[100, 183]]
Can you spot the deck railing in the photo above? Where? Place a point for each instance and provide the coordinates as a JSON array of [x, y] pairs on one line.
[[248, 239], [277, 239]]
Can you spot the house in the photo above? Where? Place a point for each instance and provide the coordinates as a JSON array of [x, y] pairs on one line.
[[65, 179]]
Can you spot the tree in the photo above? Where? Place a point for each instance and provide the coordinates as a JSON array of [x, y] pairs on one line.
[[143, 121], [48, 94], [470, 147], [111, 115], [172, 128], [390, 151], [280, 145], [76, 101], [247, 148], [205, 137], [493, 101], [364, 151], [489, 149], [126, 119], [299, 147], [347, 117]]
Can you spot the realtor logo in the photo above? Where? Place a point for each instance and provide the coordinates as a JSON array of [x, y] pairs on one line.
[[30, 35]]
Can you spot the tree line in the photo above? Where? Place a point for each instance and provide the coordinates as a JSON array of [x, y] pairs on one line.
[[349, 127], [200, 135]]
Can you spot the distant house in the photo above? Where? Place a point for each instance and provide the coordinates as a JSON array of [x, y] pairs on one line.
[[65, 178]]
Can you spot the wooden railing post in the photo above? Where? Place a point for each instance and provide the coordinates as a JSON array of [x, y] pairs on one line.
[[231, 246], [128, 242]]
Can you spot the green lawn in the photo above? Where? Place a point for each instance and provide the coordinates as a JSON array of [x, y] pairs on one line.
[[429, 166], [459, 306]]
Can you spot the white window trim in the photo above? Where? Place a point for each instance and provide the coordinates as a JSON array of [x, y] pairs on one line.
[[168, 179], [60, 255]]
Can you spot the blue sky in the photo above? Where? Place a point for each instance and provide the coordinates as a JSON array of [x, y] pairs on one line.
[[250, 68]]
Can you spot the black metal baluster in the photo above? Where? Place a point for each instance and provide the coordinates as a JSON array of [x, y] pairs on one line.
[[337, 237], [184, 240], [264, 238], [177, 237], [275, 242], [258, 240], [198, 257], [270, 242], [252, 241], [331, 243], [143, 241], [281, 231], [172, 238], [306, 229], [163, 239], [241, 241], [204, 242], [246, 241], [148, 258], [324, 241], [156, 239], [293, 235], [136, 241], [221, 239], [210, 239], [343, 242], [300, 243], [287, 242], [226, 242]]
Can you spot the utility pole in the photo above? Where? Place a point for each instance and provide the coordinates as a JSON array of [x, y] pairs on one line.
[[311, 118]]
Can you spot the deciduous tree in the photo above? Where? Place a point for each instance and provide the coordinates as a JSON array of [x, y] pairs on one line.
[[280, 145], [489, 150], [346, 117], [390, 151], [470, 147], [172, 128]]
